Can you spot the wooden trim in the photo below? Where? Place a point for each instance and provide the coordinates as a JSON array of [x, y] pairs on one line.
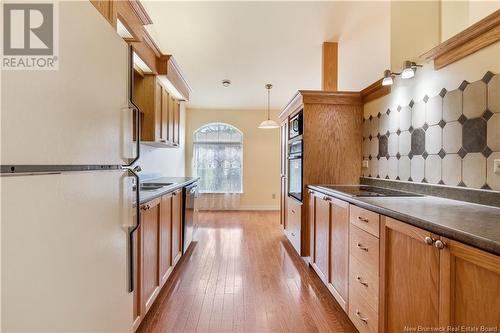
[[320, 97], [374, 91], [151, 43], [330, 66], [472, 39], [140, 12]]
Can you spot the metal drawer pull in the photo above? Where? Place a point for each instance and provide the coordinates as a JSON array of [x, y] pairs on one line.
[[358, 314], [145, 207], [327, 198], [439, 244], [361, 247], [361, 281], [428, 240], [362, 219]]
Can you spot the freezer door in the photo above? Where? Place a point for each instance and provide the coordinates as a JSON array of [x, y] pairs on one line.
[[65, 252], [79, 113]]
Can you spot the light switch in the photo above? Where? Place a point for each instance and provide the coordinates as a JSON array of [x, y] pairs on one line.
[[496, 166], [365, 164]]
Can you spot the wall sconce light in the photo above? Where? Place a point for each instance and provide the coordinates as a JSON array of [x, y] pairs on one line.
[[387, 80], [409, 69]]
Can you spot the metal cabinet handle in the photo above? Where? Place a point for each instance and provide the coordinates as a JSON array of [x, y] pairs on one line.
[[327, 198], [358, 314], [428, 240], [361, 247], [293, 212], [293, 234], [145, 207], [439, 244], [358, 278], [362, 219]]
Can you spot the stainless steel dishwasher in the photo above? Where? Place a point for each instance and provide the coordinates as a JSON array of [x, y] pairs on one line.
[[190, 215]]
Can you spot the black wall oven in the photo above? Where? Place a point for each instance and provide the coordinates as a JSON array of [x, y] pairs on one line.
[[295, 169]]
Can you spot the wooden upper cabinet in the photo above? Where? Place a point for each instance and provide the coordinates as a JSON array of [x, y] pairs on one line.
[[177, 121], [160, 112], [469, 286], [171, 112], [164, 115], [176, 226], [338, 277], [410, 275]]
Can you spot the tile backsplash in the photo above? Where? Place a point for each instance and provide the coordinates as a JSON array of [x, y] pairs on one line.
[[449, 139]]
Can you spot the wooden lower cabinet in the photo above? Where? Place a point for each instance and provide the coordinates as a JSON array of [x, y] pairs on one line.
[[330, 243], [293, 226], [338, 276], [157, 246], [469, 286], [150, 243], [176, 226], [410, 277], [390, 276], [165, 237]]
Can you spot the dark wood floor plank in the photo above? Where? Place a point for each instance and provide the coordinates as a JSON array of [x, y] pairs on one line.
[[242, 275]]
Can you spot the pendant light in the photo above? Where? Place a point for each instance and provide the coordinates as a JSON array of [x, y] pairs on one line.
[[268, 124]]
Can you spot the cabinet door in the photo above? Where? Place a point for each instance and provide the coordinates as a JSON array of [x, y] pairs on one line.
[[283, 164], [150, 254], [165, 237], [469, 286], [176, 226], [137, 309], [177, 116], [410, 277], [321, 236], [338, 276], [171, 111], [294, 223], [163, 105]]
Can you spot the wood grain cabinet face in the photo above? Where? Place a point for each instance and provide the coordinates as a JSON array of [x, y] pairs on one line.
[[469, 286], [164, 96], [293, 222], [321, 234], [176, 226], [338, 277], [171, 112], [410, 275], [150, 254], [329, 227], [165, 237]]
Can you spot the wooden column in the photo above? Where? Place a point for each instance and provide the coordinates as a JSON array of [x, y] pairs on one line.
[[330, 66]]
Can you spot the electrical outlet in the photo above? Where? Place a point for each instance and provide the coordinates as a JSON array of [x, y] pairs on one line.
[[496, 166], [274, 195], [365, 164]]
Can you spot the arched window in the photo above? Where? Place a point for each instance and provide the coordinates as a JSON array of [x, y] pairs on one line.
[[218, 158]]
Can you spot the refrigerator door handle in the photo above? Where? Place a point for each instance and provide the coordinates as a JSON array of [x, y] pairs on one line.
[[131, 230], [133, 107]]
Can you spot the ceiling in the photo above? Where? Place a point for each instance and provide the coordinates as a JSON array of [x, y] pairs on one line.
[[249, 43]]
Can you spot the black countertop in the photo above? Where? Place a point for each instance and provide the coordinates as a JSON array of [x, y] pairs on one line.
[[473, 224], [177, 182]]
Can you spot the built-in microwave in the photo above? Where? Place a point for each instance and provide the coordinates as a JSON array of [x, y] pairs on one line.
[[295, 126]]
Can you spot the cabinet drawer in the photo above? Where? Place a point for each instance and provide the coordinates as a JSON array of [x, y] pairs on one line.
[[363, 282], [293, 225], [364, 247], [362, 315], [365, 219]]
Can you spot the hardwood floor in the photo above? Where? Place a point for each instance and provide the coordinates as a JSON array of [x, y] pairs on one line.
[[242, 275]]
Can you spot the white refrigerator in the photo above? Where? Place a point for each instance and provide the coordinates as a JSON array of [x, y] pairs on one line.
[[66, 201]]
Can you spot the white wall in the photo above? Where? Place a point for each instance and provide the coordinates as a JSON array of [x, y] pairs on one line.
[[165, 161], [364, 46]]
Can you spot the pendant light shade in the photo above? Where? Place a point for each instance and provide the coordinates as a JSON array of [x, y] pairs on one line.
[[268, 124]]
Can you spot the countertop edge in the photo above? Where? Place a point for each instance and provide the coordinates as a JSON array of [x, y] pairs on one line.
[[457, 235], [168, 189]]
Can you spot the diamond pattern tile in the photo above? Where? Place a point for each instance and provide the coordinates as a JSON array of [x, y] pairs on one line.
[[449, 139]]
